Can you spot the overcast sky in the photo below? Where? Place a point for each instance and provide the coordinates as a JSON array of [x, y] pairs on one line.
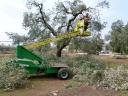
[[11, 14]]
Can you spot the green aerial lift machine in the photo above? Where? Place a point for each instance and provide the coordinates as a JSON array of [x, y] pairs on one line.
[[36, 65]]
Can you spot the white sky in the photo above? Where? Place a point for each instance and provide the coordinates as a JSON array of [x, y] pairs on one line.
[[11, 14]]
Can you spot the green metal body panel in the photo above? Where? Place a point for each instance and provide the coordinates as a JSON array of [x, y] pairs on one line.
[[36, 68], [51, 70], [33, 63], [29, 65], [22, 53]]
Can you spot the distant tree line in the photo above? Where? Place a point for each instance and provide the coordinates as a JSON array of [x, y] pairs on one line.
[[6, 48]]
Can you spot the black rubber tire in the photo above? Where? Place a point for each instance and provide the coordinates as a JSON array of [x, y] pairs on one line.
[[64, 73]]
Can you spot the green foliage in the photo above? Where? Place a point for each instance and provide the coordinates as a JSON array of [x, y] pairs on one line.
[[87, 71], [119, 37], [98, 75], [36, 30], [72, 84], [64, 60], [11, 76], [17, 38], [116, 78], [53, 58], [123, 93], [92, 46]]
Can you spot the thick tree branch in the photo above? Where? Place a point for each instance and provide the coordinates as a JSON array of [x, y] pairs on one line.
[[69, 23], [67, 41], [40, 6], [74, 17]]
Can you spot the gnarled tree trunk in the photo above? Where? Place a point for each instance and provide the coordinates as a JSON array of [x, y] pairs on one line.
[[61, 45], [59, 52]]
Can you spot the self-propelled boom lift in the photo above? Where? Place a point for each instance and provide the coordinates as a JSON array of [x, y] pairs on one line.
[[36, 65]]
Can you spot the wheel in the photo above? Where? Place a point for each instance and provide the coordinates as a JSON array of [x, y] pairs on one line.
[[64, 73]]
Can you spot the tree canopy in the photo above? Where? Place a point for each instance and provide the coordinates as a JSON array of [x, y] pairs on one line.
[[118, 37], [90, 45], [60, 20], [17, 38], [42, 23]]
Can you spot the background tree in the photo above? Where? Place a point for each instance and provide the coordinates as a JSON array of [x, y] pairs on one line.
[[60, 20], [118, 37], [17, 38], [91, 45], [4, 48]]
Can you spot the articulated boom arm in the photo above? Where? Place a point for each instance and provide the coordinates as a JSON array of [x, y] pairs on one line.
[[53, 39], [24, 52]]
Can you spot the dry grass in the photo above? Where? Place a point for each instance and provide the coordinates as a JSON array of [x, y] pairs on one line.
[[111, 60], [6, 55]]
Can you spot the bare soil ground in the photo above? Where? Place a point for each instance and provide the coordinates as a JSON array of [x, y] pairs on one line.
[[46, 86], [42, 86], [88, 91]]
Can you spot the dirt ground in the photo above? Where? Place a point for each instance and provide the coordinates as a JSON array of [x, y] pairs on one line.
[[46, 86], [39, 86], [88, 91]]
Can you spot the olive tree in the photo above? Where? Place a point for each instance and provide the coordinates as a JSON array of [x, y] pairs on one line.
[[59, 20], [118, 37]]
